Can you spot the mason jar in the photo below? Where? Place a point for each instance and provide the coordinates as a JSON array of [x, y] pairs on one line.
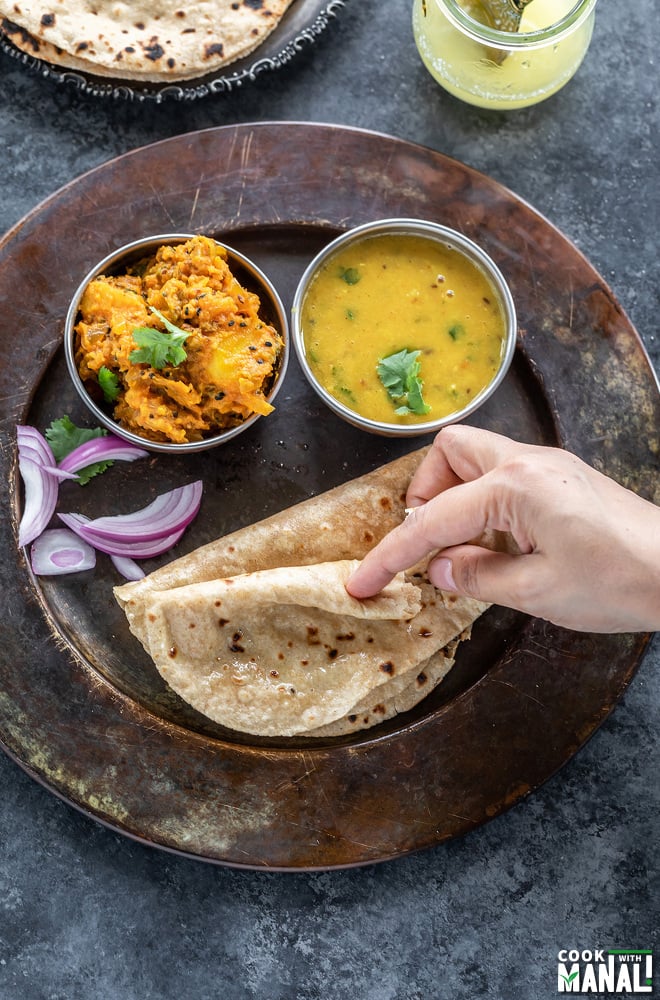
[[492, 68]]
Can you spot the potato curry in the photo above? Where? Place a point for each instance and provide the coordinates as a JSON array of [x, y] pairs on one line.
[[176, 344]]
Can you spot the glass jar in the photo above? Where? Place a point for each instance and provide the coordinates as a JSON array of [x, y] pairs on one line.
[[503, 69]]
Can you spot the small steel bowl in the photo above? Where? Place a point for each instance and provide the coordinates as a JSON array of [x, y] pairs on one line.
[[436, 233], [249, 275]]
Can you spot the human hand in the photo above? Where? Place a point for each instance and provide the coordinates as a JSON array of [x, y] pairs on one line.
[[589, 548]]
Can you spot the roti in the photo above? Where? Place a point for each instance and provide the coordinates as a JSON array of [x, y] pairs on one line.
[[310, 660], [147, 41], [284, 651], [396, 696]]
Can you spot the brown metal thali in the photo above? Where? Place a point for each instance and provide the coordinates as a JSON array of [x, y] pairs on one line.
[[81, 706]]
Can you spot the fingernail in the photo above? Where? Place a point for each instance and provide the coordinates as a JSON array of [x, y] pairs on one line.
[[443, 576]]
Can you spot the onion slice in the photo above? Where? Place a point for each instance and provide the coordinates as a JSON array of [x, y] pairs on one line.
[[133, 549], [128, 567], [30, 437], [108, 448], [40, 499], [57, 551], [169, 513]]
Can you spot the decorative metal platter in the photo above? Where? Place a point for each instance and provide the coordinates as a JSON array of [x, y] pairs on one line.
[[82, 708], [301, 26]]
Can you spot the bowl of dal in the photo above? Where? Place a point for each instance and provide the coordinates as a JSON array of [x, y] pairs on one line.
[[403, 326], [177, 342]]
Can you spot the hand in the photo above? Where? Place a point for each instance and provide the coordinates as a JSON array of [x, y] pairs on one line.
[[589, 549]]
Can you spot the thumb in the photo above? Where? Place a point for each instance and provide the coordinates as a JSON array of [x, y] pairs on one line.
[[493, 577]]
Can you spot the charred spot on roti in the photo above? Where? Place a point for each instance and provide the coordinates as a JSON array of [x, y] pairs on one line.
[[153, 50], [379, 709], [386, 503], [333, 654], [274, 673], [346, 637], [387, 668], [47, 20], [368, 536], [425, 633], [215, 49], [352, 719], [253, 4], [192, 624], [421, 679], [236, 642], [172, 652], [222, 622]]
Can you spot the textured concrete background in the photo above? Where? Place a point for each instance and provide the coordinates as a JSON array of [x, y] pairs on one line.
[[86, 913]]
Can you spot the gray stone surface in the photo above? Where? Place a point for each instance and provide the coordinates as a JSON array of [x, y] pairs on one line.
[[86, 913]]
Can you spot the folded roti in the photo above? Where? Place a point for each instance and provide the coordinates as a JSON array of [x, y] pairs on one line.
[[283, 651], [277, 590]]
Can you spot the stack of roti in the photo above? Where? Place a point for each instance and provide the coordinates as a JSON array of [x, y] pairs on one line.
[[257, 631], [147, 40]]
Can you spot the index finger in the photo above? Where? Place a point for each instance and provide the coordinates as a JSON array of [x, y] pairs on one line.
[[453, 517], [458, 454]]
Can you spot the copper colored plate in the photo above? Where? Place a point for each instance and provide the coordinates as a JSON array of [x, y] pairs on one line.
[[82, 708], [301, 25]]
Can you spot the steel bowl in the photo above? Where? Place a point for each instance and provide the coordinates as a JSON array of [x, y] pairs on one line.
[[435, 233], [250, 276]]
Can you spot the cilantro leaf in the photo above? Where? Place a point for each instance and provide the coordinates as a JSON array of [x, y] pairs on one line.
[[399, 373], [156, 348], [63, 436], [109, 384]]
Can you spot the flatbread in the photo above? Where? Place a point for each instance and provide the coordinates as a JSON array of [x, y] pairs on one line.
[[280, 652], [397, 695], [310, 549], [150, 41], [342, 523]]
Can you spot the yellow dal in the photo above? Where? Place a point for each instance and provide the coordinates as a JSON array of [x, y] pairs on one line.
[[412, 293]]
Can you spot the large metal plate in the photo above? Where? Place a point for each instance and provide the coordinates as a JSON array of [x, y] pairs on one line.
[[82, 707]]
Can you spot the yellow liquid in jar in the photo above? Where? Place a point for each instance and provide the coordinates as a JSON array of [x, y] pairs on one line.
[[503, 78]]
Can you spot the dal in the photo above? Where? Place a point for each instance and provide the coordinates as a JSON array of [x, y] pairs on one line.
[[387, 293]]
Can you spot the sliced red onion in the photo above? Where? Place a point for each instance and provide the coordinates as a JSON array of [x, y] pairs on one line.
[[109, 448], [128, 567], [30, 437], [27, 451], [133, 549], [168, 513], [57, 551], [40, 499], [59, 473]]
